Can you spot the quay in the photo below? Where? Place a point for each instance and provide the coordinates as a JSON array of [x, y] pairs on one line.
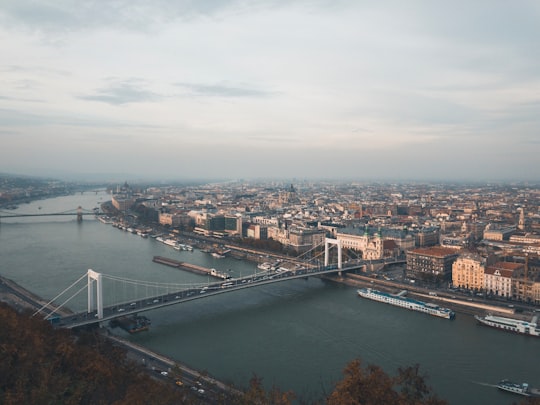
[[193, 268]]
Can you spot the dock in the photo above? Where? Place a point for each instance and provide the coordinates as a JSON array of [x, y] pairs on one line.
[[193, 268]]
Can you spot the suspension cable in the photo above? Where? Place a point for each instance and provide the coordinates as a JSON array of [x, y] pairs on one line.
[[69, 299], [51, 301], [310, 250], [145, 283]]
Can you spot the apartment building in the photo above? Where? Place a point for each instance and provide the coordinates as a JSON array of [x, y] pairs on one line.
[[431, 263], [468, 272], [499, 278]]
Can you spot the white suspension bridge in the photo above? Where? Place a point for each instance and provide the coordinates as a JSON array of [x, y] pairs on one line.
[[110, 297]]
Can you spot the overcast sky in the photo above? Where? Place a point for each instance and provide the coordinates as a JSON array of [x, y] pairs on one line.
[[290, 89]]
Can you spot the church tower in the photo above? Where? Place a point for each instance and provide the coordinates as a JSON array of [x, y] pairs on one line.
[[521, 223]]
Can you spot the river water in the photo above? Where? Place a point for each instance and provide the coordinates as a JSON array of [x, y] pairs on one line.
[[298, 335]]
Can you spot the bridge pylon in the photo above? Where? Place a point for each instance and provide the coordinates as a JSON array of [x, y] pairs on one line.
[[328, 241], [79, 214], [98, 297]]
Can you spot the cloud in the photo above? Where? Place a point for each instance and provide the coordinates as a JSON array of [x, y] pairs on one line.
[[63, 16], [294, 83], [14, 118], [123, 92], [223, 90]]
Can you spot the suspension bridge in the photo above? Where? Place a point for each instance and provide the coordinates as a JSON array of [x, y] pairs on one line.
[[79, 212], [110, 297]]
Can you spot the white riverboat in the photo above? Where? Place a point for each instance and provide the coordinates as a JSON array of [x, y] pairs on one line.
[[518, 388], [511, 325], [399, 300]]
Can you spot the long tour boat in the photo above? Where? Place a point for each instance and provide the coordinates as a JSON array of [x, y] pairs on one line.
[[400, 300]]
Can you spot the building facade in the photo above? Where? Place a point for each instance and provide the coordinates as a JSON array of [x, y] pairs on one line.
[[499, 278], [525, 285], [372, 247], [427, 237], [468, 272], [502, 233], [218, 224], [430, 264]]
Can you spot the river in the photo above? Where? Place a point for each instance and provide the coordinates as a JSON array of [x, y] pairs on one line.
[[298, 335]]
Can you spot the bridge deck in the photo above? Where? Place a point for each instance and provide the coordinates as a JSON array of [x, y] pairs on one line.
[[199, 292]]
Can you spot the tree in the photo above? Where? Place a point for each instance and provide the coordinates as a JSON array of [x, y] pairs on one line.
[[530, 401], [256, 394], [372, 386], [414, 389], [363, 387]]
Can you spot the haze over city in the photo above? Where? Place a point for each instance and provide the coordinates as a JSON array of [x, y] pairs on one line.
[[308, 89]]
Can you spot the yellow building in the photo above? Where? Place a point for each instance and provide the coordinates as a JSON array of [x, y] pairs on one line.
[[468, 272], [535, 293], [525, 284]]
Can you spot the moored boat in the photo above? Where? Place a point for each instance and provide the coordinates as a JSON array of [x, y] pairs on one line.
[[399, 300], [510, 324], [170, 242]]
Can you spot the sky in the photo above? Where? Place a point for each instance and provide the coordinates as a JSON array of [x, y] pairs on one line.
[[337, 89]]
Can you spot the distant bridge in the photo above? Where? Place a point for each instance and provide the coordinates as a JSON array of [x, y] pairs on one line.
[[79, 213]]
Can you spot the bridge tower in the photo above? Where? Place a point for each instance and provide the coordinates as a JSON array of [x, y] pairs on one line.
[[79, 214], [95, 277], [328, 241]]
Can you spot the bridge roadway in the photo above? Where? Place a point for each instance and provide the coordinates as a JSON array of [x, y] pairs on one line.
[[196, 292]]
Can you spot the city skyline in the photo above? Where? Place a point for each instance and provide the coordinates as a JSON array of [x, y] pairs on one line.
[[271, 89]]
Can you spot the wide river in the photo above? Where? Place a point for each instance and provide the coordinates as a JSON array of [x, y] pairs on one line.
[[298, 335]]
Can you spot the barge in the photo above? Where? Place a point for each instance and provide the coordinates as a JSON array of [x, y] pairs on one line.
[[190, 267]]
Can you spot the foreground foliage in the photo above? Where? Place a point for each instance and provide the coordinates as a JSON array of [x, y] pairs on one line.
[[372, 386], [39, 365]]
